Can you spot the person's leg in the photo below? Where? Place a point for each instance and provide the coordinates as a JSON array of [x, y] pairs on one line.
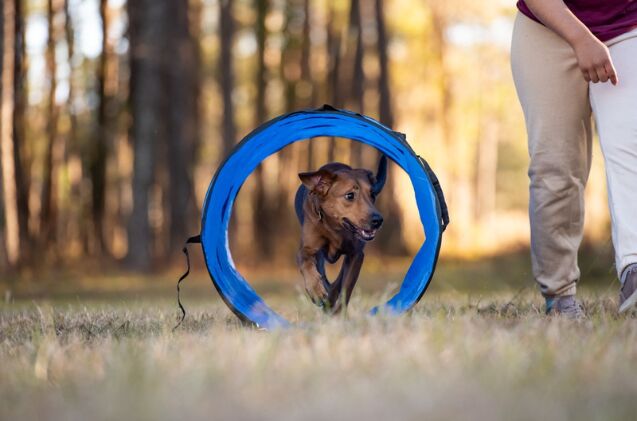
[[615, 110], [554, 98]]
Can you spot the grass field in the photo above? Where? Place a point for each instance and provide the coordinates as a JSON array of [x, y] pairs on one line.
[[463, 353]]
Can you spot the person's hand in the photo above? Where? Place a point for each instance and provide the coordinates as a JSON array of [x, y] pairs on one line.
[[594, 60]]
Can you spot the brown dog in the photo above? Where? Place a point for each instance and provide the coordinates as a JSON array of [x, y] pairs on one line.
[[335, 206]]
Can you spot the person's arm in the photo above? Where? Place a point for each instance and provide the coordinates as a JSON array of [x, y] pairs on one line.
[[592, 55]]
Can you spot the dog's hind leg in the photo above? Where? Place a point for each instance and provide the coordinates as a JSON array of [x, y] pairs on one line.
[[351, 276], [346, 280], [336, 287]]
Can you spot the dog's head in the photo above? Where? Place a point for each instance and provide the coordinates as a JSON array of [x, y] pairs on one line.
[[346, 197]]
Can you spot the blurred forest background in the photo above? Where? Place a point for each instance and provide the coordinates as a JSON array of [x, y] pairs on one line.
[[115, 115]]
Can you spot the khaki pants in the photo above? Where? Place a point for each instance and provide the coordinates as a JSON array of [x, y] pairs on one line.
[[557, 102]]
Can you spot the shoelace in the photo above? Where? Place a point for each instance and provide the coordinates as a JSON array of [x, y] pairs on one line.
[[630, 269]]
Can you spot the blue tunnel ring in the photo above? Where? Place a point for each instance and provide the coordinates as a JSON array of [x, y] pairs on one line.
[[278, 133]]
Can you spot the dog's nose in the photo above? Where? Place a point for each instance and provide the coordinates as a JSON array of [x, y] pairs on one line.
[[377, 221]]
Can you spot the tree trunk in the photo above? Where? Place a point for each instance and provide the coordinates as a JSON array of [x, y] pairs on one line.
[[295, 71], [12, 234], [70, 43], [334, 68], [76, 218], [394, 243], [47, 198], [261, 76], [262, 211], [4, 260], [306, 69], [20, 155], [147, 131], [226, 86], [226, 75], [385, 107], [183, 122], [354, 60], [306, 52], [98, 154], [456, 176], [289, 66]]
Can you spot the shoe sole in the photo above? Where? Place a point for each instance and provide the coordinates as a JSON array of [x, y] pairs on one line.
[[628, 303], [567, 316]]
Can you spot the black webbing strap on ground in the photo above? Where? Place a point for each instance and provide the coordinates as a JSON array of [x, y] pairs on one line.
[[191, 240], [444, 212]]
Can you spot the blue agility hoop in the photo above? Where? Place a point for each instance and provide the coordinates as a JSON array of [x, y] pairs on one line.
[[272, 137]]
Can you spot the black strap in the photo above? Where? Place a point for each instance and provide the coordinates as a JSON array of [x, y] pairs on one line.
[[326, 107], [444, 211], [191, 240]]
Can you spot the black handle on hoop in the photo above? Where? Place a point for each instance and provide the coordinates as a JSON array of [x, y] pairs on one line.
[[444, 211], [326, 107], [191, 240]]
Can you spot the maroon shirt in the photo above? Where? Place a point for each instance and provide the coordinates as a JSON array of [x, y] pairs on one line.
[[606, 19]]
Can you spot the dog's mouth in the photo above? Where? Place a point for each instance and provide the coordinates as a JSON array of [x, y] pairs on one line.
[[363, 234]]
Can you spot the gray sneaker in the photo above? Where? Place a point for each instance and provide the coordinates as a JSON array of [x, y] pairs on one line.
[[628, 293], [566, 306]]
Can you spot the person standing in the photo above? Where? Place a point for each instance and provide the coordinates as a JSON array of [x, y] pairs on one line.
[[569, 59]]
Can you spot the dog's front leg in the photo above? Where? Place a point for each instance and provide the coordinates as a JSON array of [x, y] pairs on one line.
[[315, 283]]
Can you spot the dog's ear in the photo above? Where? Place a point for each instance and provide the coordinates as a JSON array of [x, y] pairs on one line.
[[371, 177], [318, 181], [381, 175]]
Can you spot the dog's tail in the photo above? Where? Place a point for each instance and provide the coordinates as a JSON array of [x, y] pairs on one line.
[[381, 174]]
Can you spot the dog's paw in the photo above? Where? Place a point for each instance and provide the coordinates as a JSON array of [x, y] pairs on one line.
[[317, 292], [334, 309]]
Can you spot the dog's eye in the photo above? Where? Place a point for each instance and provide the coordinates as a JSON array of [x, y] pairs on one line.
[[349, 196]]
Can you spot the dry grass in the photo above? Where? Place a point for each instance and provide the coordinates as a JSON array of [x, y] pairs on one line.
[[454, 357]]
